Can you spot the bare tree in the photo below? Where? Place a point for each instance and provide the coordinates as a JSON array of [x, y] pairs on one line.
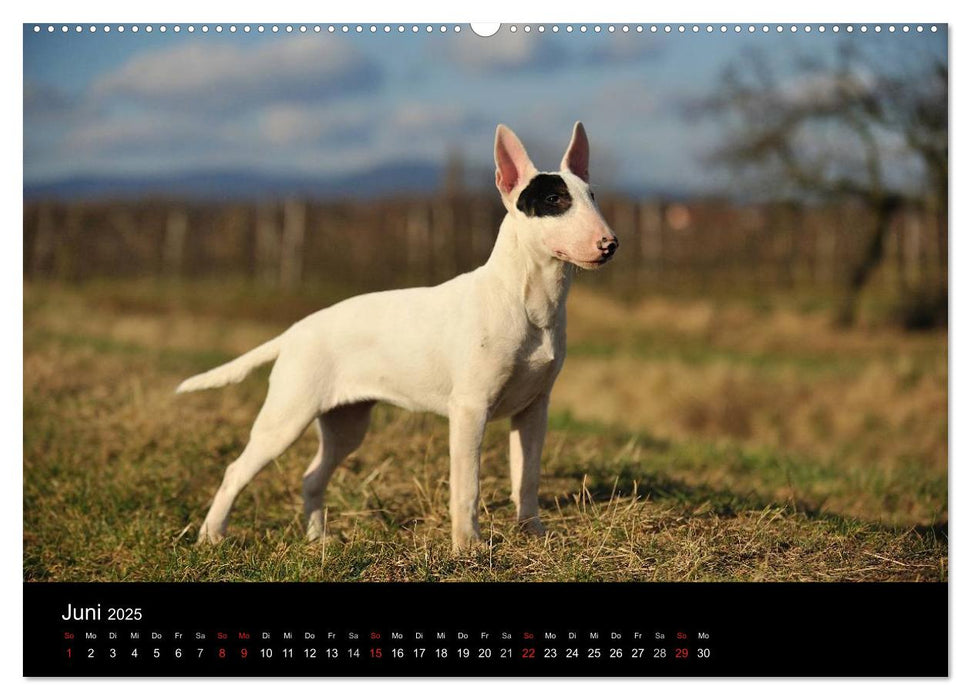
[[852, 131]]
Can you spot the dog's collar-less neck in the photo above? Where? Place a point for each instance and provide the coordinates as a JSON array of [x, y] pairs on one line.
[[540, 284]]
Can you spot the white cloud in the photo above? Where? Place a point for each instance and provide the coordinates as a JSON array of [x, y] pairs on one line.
[[359, 121], [630, 98], [211, 76], [504, 51], [430, 118], [345, 136], [516, 52], [288, 123], [623, 48]]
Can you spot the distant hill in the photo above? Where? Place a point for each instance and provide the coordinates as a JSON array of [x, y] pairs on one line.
[[412, 177]]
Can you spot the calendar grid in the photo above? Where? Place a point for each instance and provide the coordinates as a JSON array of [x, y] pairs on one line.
[[484, 629]]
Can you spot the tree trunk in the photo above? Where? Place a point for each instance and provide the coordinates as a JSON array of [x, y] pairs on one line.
[[859, 274]]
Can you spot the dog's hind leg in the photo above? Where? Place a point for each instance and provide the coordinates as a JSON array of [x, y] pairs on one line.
[[341, 430], [283, 418]]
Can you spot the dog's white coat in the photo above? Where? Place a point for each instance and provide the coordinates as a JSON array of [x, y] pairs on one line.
[[487, 344]]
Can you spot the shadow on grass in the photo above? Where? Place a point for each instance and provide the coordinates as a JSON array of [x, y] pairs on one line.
[[662, 488], [622, 479]]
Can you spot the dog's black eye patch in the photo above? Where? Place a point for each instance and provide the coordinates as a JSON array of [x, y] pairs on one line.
[[545, 195]]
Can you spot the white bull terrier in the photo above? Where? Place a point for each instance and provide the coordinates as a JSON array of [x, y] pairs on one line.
[[485, 345]]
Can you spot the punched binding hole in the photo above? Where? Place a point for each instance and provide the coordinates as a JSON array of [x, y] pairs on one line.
[[485, 29]]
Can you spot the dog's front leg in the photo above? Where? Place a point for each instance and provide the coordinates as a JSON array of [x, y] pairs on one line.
[[526, 436], [466, 426]]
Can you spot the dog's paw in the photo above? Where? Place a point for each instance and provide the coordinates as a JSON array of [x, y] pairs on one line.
[[315, 526], [532, 527], [208, 536], [465, 543]]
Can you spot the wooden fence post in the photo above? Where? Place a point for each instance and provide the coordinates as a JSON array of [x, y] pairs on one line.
[[895, 265], [267, 245], [419, 243], [65, 247], [443, 238], [915, 250], [652, 240], [291, 253], [826, 248], [624, 224], [481, 233], [44, 240], [173, 247]]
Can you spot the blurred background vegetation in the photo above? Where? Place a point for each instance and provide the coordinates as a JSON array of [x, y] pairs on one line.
[[838, 190]]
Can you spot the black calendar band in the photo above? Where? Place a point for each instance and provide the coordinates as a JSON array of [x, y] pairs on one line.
[[494, 629]]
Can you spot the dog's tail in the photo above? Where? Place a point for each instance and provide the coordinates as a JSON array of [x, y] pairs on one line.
[[233, 371]]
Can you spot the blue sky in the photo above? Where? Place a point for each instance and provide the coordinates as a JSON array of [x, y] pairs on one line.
[[333, 104]]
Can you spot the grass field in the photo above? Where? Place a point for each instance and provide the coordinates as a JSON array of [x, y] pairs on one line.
[[689, 441]]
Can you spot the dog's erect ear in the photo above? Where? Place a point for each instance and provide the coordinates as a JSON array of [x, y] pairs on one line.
[[513, 166], [577, 156]]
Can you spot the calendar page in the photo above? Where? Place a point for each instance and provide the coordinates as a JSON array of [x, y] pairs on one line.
[[604, 349]]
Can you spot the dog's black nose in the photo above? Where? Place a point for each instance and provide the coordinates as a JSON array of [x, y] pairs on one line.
[[608, 245]]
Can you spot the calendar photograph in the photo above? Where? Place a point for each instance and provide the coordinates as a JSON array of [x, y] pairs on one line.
[[599, 303]]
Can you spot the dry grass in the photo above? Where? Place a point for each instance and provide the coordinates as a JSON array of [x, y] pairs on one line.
[[688, 442], [780, 380]]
